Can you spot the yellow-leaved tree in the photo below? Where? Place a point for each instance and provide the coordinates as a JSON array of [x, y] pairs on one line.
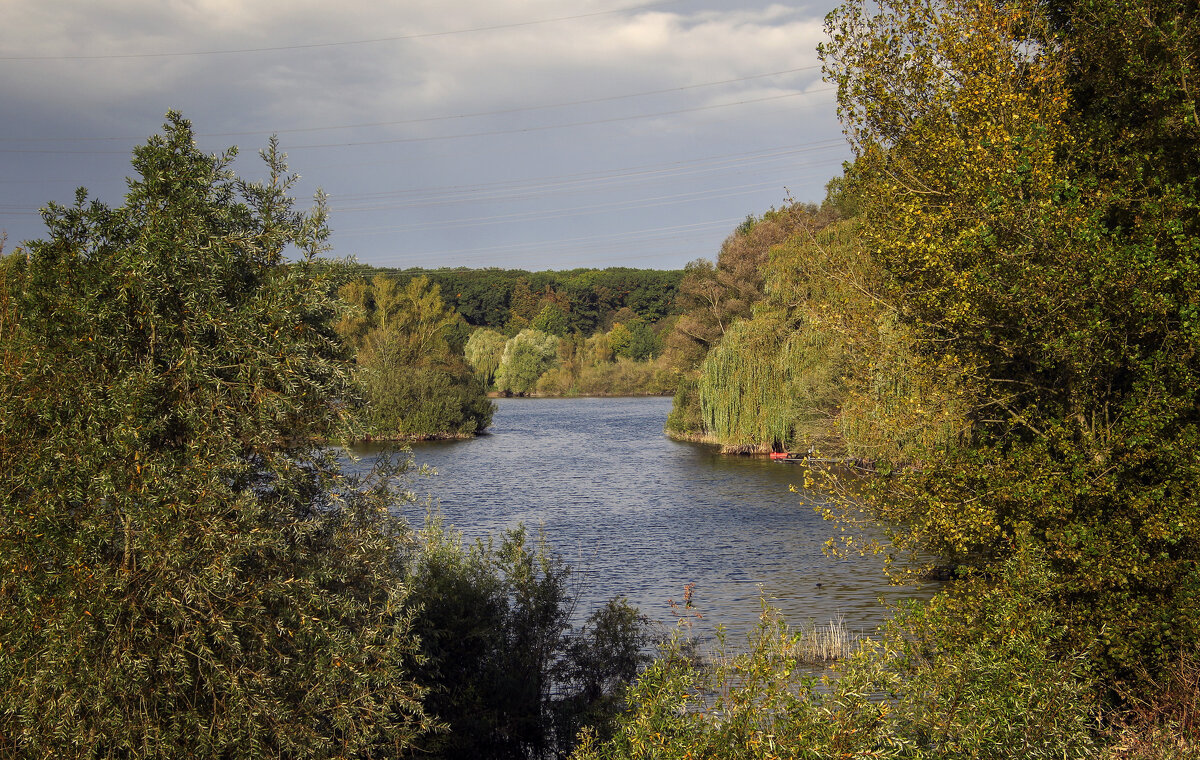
[[1055, 281]]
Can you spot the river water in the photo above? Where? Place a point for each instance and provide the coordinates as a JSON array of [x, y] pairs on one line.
[[639, 515]]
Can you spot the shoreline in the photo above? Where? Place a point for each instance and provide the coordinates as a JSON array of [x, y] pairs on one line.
[[421, 437], [498, 395]]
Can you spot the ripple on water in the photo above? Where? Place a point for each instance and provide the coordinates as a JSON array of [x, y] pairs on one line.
[[639, 515]]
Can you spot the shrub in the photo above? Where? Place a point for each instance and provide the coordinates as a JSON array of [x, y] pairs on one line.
[[971, 675], [416, 384], [428, 400], [504, 669]]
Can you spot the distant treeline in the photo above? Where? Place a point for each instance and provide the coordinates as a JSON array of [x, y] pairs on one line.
[[590, 299]]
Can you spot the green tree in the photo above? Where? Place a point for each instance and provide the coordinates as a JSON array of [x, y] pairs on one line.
[[527, 355], [619, 337], [435, 397], [415, 385], [504, 667], [711, 296], [483, 351], [183, 570], [1027, 176], [551, 319], [356, 322], [522, 305]]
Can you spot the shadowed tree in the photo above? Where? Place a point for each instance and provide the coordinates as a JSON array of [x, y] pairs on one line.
[[183, 570]]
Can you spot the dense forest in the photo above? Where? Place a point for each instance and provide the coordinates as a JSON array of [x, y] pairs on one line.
[[581, 300], [431, 344], [986, 334]]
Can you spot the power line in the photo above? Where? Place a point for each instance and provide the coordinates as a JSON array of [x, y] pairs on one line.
[[654, 239], [528, 188], [561, 213], [485, 133], [545, 127], [636, 235], [552, 185], [428, 119], [345, 43]]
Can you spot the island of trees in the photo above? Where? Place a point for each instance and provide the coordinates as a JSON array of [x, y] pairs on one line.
[[990, 322]]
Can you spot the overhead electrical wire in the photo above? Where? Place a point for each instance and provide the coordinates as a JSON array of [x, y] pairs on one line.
[[671, 238], [634, 234], [545, 127], [556, 185], [486, 133], [588, 210], [528, 188], [431, 119]]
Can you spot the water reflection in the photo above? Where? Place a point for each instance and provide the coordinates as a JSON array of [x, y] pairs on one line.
[[642, 516]]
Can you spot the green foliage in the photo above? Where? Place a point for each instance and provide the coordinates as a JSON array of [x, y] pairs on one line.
[[619, 337], [742, 389], [624, 377], [752, 365], [980, 672], [526, 356], [430, 399], [552, 320], [1027, 176], [821, 362], [504, 668], [587, 297], [712, 296], [634, 340], [483, 351], [685, 419], [183, 570], [416, 384], [962, 679]]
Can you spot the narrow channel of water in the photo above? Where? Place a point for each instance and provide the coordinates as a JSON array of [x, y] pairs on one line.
[[639, 515]]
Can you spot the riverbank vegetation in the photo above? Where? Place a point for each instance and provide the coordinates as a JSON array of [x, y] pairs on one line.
[[1000, 319], [997, 306], [185, 569], [582, 332]]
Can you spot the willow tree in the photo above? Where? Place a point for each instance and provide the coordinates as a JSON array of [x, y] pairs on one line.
[[860, 388], [527, 355], [183, 570], [742, 392], [825, 363], [1045, 241], [483, 351]]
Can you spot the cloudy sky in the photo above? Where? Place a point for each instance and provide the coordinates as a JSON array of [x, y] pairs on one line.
[[537, 134]]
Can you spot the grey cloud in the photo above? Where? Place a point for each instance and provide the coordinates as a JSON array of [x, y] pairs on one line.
[[421, 93]]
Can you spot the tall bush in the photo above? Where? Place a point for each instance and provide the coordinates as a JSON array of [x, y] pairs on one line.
[[416, 384], [506, 669], [969, 677], [183, 570]]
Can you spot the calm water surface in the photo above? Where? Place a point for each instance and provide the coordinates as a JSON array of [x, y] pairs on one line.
[[639, 515]]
